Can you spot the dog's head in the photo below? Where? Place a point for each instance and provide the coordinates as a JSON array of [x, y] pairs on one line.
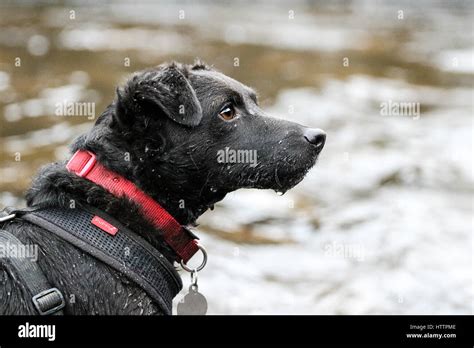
[[194, 133]]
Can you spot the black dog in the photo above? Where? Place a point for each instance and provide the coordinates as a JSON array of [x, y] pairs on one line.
[[163, 133]]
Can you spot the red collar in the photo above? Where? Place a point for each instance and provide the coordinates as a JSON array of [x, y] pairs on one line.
[[179, 238]]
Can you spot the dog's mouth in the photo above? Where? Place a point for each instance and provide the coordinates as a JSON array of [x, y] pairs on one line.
[[288, 176], [288, 183], [293, 158], [282, 175]]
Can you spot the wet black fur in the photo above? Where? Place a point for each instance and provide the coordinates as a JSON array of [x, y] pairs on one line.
[[162, 132]]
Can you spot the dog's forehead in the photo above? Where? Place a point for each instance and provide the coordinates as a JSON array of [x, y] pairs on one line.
[[219, 80]]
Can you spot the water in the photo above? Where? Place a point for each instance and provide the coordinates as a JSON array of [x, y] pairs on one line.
[[382, 224]]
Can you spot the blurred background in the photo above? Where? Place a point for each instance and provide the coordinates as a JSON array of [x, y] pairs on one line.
[[383, 223]]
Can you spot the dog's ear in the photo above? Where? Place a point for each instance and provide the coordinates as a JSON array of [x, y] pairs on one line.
[[163, 90]]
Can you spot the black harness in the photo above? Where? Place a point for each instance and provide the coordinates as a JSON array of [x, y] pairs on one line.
[[122, 250], [46, 299]]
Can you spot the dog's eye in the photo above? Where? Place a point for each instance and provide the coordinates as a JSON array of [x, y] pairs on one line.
[[227, 113]]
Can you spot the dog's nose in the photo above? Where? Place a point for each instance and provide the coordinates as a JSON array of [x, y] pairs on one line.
[[316, 137]]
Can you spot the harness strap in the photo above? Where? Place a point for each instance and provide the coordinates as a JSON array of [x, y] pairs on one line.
[[109, 241], [46, 299]]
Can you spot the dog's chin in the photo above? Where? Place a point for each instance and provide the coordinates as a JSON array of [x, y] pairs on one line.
[[284, 177], [285, 182]]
